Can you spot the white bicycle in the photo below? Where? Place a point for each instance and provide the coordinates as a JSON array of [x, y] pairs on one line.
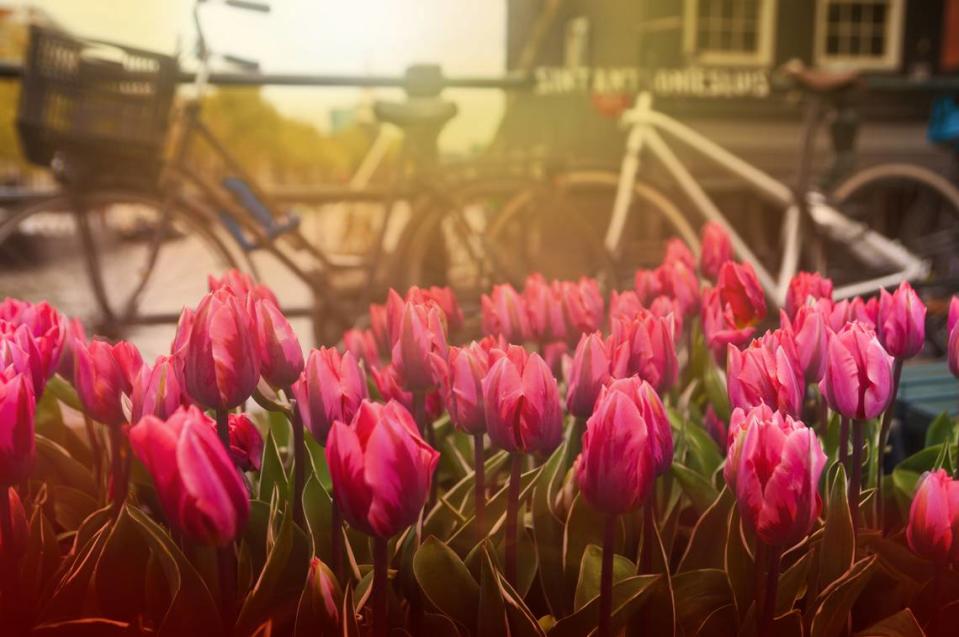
[[880, 226]]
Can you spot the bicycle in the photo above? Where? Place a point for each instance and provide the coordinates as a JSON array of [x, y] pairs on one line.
[[151, 231], [619, 207]]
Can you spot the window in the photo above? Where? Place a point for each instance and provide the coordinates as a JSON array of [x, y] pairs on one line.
[[730, 32], [859, 34]]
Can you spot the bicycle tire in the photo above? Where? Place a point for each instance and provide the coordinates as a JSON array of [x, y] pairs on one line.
[[60, 256]]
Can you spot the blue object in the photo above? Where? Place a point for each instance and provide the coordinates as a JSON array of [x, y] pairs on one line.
[[258, 212], [944, 121]]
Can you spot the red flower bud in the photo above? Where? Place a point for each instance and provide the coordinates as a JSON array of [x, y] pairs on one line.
[[281, 359], [933, 528], [17, 412], [717, 249], [653, 411], [505, 314], [158, 391], [246, 442], [739, 289], [103, 374], [764, 373], [362, 345], [331, 388], [583, 306], [645, 346], [464, 397], [588, 374], [806, 288], [901, 324], [544, 306], [858, 378]]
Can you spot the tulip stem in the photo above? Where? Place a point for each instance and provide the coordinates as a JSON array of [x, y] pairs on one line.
[[95, 449], [479, 486], [426, 429], [606, 577], [844, 443], [118, 489], [226, 566], [512, 512], [336, 539], [855, 483], [881, 444], [299, 460], [769, 595], [380, 565], [223, 428], [649, 535]]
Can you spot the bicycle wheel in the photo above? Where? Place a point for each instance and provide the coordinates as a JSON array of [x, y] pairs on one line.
[[916, 206], [151, 261], [559, 229]]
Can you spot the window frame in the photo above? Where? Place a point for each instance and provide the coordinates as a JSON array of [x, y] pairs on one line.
[[890, 60], [765, 39]]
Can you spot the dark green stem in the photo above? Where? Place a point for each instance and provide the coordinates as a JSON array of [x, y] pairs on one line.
[[512, 512], [380, 566], [299, 460], [606, 577], [855, 482], [844, 443], [769, 595], [479, 486], [336, 540], [226, 567], [118, 480], [223, 428], [881, 444]]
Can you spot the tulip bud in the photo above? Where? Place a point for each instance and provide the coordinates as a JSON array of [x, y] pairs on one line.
[[739, 421], [858, 378], [379, 325], [362, 345], [388, 385], [523, 411], [544, 306], [200, 490], [240, 284], [281, 359], [381, 469], [615, 469], [864, 311], [663, 307], [246, 442], [17, 412], [589, 373], [739, 289], [679, 281], [46, 329], [221, 362], [18, 354], [645, 346], [320, 604], [158, 391], [583, 306], [624, 304], [678, 251], [464, 396], [806, 288], [901, 324], [810, 336], [953, 347], [441, 297], [331, 388], [933, 528], [777, 468], [505, 314], [74, 330], [420, 351], [719, 327], [648, 285], [19, 538], [103, 374], [556, 355], [182, 337], [653, 411], [717, 249], [764, 373]]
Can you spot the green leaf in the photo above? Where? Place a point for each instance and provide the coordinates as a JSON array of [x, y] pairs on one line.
[[899, 560], [584, 526], [698, 595], [71, 591], [118, 576], [441, 521], [705, 548], [697, 488], [438, 625], [901, 624], [491, 616], [313, 616], [54, 464], [49, 424], [628, 596], [839, 540], [70, 506], [86, 627], [548, 532], [272, 474], [318, 460], [703, 455], [740, 566], [590, 571], [527, 562], [940, 430], [317, 510], [907, 474], [835, 602], [791, 583], [446, 581], [715, 385], [521, 621]]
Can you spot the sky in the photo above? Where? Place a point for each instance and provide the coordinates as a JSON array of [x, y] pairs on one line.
[[323, 37]]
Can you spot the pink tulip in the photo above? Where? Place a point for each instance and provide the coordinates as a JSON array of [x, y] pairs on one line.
[[523, 410], [624, 304], [158, 391], [505, 314], [17, 413], [387, 383], [184, 327], [764, 373], [648, 285], [324, 596], [740, 290], [806, 288], [719, 327], [739, 421], [615, 470], [47, 329], [645, 346], [858, 378], [810, 335], [198, 487], [221, 361], [717, 249], [75, 331], [589, 373], [19, 539], [241, 285], [103, 373], [664, 306], [583, 306], [901, 322], [864, 311], [246, 442], [381, 469], [362, 345], [331, 388], [556, 355], [443, 298], [777, 478], [653, 411], [420, 350], [544, 307], [281, 359], [679, 281], [18, 352], [953, 346], [380, 326], [464, 396], [933, 528]]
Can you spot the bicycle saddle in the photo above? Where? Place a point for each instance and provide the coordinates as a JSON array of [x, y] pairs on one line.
[[821, 81], [415, 111]]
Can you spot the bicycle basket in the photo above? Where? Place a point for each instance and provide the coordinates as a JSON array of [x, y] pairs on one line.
[[944, 121], [106, 104]]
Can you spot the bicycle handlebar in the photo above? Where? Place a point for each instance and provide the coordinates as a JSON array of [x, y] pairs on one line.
[[248, 5]]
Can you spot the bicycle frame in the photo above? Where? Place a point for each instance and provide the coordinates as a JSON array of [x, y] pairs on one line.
[[645, 125]]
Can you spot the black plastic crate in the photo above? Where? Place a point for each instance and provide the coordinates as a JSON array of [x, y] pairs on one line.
[[93, 103]]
